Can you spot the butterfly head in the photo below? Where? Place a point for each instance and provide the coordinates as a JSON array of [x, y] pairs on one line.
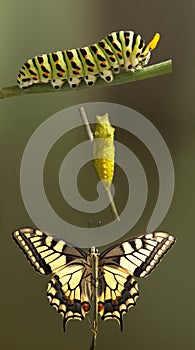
[[93, 250]]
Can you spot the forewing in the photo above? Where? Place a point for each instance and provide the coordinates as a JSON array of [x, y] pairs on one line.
[[46, 253], [139, 255]]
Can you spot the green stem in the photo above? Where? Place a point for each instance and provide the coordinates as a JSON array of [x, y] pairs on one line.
[[122, 78], [95, 299]]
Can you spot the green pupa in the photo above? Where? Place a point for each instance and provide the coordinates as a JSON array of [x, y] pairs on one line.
[[104, 150]]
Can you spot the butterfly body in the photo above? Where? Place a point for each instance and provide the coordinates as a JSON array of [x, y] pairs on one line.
[[79, 277], [118, 50]]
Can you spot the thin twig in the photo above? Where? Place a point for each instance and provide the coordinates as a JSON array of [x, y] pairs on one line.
[[113, 206], [86, 123], [122, 78], [91, 138], [95, 299]]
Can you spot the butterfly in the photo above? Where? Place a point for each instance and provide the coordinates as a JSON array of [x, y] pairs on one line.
[[74, 284]]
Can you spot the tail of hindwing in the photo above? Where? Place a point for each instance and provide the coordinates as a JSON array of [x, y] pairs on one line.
[[69, 308]]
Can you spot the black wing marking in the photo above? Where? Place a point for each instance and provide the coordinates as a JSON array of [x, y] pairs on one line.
[[46, 253], [139, 255]]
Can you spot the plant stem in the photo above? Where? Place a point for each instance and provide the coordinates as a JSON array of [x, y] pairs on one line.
[[86, 123], [122, 78], [95, 299]]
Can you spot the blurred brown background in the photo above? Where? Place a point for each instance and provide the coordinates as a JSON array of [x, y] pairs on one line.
[[164, 317]]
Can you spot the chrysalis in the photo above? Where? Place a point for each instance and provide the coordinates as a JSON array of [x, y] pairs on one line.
[[103, 150]]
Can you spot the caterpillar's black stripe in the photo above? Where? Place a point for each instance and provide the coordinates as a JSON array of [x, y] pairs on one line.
[[104, 59]]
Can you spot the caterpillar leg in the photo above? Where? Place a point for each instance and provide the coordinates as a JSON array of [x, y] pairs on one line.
[[90, 68], [24, 82], [111, 56], [107, 75], [59, 68], [74, 82], [75, 68], [103, 64], [57, 83], [90, 79]]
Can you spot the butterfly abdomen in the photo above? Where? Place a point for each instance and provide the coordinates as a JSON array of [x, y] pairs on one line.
[[103, 59], [103, 150]]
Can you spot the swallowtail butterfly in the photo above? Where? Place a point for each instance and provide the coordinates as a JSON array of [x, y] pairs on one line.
[[123, 49], [71, 287], [103, 150]]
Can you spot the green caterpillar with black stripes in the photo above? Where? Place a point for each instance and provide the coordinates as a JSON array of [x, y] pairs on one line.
[[124, 50]]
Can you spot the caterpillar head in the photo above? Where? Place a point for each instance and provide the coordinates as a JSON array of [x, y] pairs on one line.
[[146, 53], [141, 53]]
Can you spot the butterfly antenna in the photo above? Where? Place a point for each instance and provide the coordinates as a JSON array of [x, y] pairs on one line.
[[86, 123]]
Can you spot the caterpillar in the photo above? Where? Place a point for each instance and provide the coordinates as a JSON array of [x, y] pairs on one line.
[[103, 150], [118, 50]]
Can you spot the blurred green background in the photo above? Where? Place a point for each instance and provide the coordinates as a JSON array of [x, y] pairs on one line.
[[165, 315]]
